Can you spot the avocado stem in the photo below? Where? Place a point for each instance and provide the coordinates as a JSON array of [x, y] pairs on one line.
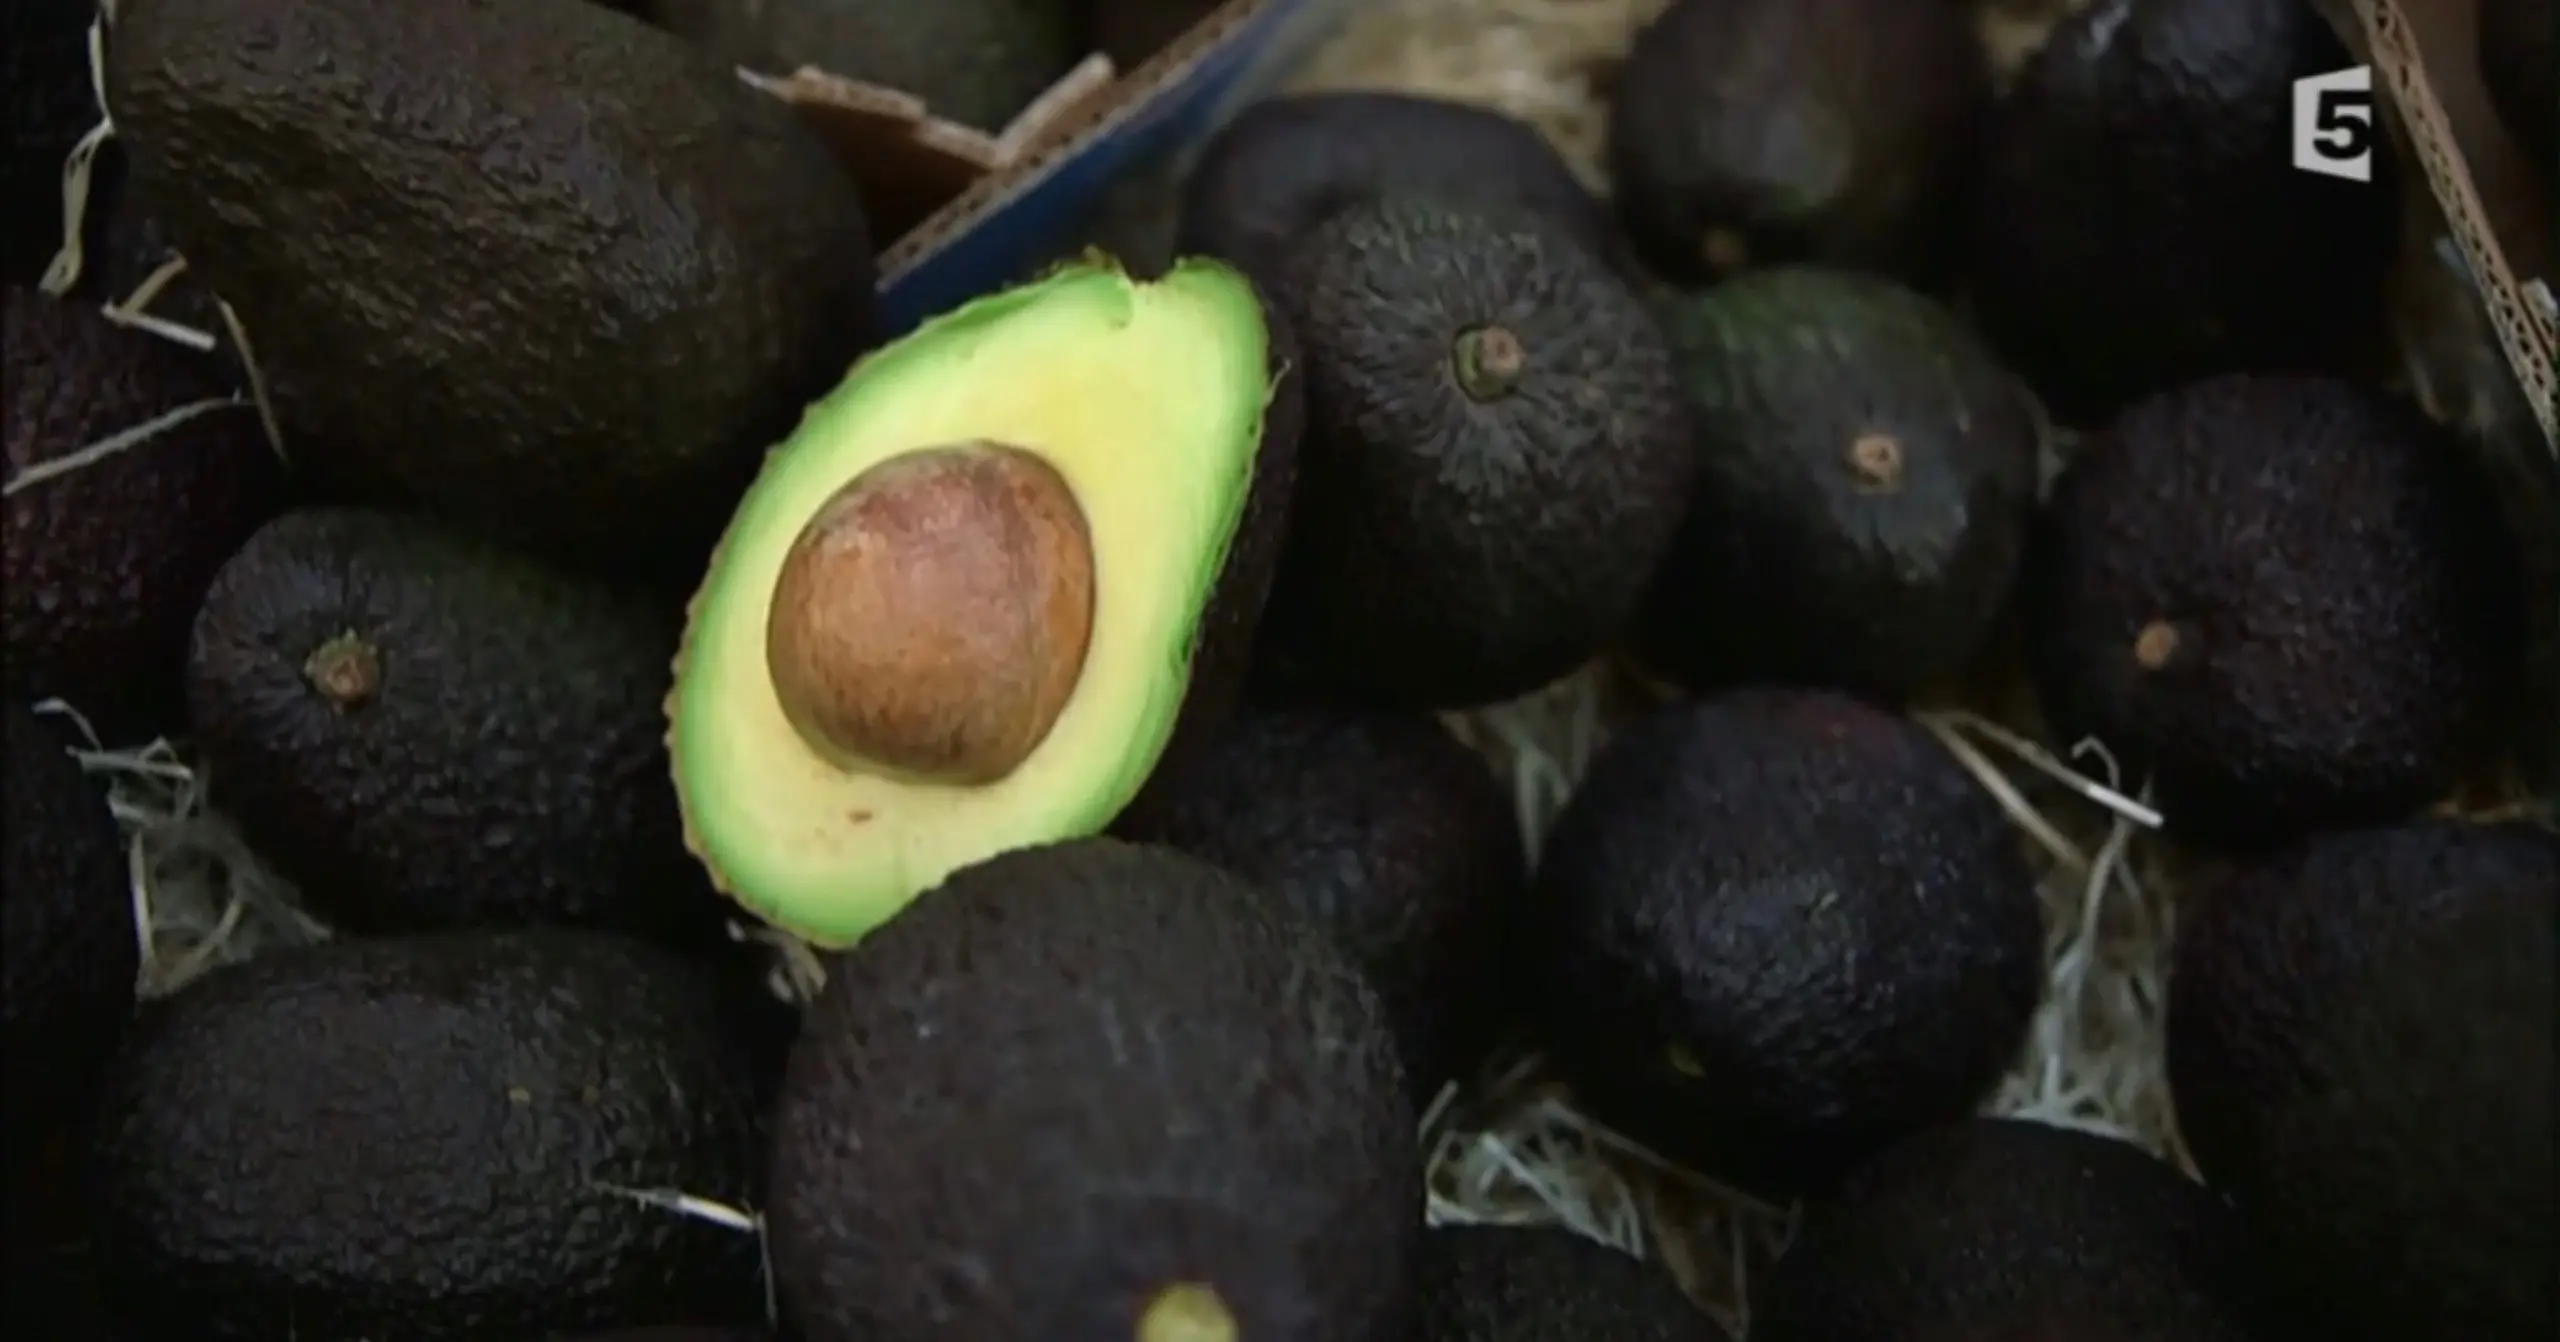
[[346, 669], [1877, 460], [1725, 250], [1187, 1311], [2157, 645], [1488, 361]]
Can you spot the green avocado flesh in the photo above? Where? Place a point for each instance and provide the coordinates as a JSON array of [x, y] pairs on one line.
[[1147, 400]]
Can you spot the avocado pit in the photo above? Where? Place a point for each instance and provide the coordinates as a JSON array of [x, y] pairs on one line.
[[932, 618]]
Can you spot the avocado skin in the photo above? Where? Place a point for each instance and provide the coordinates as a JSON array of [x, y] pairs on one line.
[[1080, 1073], [1447, 552], [1380, 827], [977, 62], [2349, 595], [2017, 1231], [106, 563], [2519, 49], [2139, 223], [511, 768], [69, 958], [1833, 131], [402, 1141], [1486, 1283], [1812, 898], [2360, 1045], [1287, 164], [45, 61], [1792, 568], [532, 266]]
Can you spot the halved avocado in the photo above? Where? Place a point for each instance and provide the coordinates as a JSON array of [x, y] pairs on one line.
[[966, 602]]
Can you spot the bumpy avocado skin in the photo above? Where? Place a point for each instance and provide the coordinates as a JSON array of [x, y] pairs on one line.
[[1380, 827], [1484, 1283], [1451, 548], [1796, 566], [420, 1140], [2017, 1231], [2519, 50], [1287, 164], [2360, 1045], [107, 561], [533, 266], [1745, 132], [1776, 930], [508, 766], [2344, 594], [1072, 1076], [2139, 223], [977, 62]]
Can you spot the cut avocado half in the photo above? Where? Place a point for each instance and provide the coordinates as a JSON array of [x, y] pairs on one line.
[[956, 613]]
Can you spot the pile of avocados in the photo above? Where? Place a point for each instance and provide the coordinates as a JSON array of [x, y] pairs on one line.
[[765, 828]]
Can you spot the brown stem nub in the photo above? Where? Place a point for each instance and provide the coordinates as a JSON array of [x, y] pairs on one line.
[[932, 619], [1876, 458], [1488, 361], [2156, 645], [346, 670], [1725, 250]]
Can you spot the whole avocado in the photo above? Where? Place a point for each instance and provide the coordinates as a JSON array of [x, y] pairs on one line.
[[428, 732], [1745, 132], [1775, 930], [977, 62], [2361, 1052], [2008, 1230], [430, 1139], [533, 266], [2289, 602], [1496, 456], [1386, 831], [1867, 480], [1095, 1090], [1286, 164], [2139, 222], [136, 467], [1494, 1283]]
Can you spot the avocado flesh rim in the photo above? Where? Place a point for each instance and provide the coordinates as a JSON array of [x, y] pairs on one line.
[[1148, 398]]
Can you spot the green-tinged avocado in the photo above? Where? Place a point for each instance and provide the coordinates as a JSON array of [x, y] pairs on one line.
[[1013, 562], [977, 62], [2519, 51], [1383, 829], [2140, 223], [1834, 131], [2287, 602], [1497, 455], [70, 953], [1287, 164], [135, 469], [1776, 930], [1132, 31], [1869, 477], [1095, 1090], [534, 266], [2360, 1047], [431, 1139], [2005, 1230], [1482, 1283], [51, 105], [428, 732]]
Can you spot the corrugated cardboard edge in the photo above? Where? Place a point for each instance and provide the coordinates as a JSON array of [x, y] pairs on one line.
[[1092, 120], [2524, 334]]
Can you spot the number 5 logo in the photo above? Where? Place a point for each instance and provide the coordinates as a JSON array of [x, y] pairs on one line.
[[2333, 124]]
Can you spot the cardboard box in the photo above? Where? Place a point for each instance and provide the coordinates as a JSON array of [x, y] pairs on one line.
[[2474, 293], [970, 211]]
